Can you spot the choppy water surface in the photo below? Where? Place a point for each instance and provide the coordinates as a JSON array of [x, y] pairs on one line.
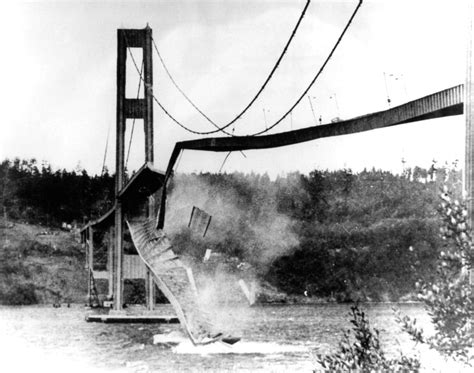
[[274, 338]]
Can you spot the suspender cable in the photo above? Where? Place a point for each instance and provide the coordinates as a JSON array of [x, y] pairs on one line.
[[105, 152], [223, 163]]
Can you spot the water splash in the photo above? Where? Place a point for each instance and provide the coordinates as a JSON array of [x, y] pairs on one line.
[[249, 348]]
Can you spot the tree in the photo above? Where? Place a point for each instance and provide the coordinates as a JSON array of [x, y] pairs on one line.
[[448, 297], [364, 354]]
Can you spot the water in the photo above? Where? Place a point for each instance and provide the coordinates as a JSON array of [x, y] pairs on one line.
[[274, 339]]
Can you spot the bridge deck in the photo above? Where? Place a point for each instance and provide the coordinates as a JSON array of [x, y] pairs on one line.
[[440, 104]]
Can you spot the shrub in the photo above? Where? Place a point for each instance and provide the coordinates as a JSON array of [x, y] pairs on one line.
[[365, 353], [447, 297]]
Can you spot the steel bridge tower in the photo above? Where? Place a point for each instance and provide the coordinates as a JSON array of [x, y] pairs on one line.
[[127, 108]]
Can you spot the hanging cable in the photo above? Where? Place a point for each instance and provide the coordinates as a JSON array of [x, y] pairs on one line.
[[133, 123], [150, 89], [222, 129], [321, 69], [105, 152], [312, 110], [223, 163], [386, 89], [238, 116]]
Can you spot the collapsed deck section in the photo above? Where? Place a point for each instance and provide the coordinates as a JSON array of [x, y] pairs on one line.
[[174, 279]]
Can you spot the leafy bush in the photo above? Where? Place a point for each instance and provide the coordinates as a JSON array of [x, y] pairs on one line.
[[448, 297], [364, 354]]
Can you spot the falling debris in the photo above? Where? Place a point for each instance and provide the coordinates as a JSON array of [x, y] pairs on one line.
[[199, 221], [207, 255], [248, 292]]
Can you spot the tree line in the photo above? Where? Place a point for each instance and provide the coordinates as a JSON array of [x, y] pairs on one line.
[[369, 235], [35, 193], [355, 235]]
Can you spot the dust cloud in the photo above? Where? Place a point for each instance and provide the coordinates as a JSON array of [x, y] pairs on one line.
[[257, 238], [244, 242]]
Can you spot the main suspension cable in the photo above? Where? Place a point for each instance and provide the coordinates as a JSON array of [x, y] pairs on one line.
[[261, 89], [316, 76], [148, 87]]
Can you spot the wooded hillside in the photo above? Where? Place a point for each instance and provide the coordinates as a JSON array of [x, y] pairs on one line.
[[335, 234]]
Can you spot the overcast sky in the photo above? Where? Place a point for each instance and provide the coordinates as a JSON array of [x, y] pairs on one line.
[[58, 69]]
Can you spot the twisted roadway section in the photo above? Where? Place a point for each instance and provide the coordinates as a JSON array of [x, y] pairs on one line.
[[445, 103]]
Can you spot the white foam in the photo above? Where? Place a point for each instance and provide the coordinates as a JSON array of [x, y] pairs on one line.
[[264, 348], [174, 337]]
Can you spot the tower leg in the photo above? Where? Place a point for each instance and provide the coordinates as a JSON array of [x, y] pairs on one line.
[[469, 115]]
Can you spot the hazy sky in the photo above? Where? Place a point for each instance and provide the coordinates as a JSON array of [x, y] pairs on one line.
[[58, 71]]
